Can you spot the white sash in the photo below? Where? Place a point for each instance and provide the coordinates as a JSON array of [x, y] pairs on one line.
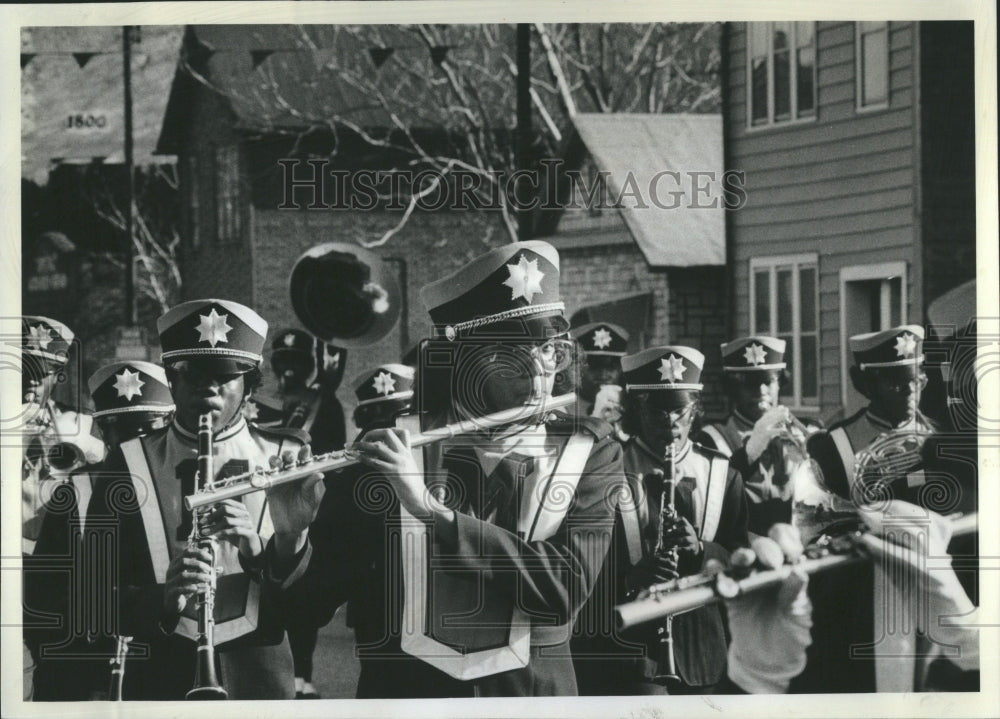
[[714, 497], [545, 501], [159, 550]]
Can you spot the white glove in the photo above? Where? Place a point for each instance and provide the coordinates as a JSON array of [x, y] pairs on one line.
[[770, 425], [771, 627], [771, 631], [912, 542], [608, 403]]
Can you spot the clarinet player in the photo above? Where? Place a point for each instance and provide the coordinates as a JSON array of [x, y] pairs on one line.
[[707, 522], [212, 355]]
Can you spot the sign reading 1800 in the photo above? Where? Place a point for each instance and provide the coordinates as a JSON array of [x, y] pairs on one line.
[[86, 121]]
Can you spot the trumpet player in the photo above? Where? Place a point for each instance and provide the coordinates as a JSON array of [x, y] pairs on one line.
[[707, 522], [212, 357], [130, 399], [502, 549], [600, 393], [754, 371], [53, 436]]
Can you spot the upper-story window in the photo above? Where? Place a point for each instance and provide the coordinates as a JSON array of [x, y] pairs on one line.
[[781, 72], [871, 50], [228, 202]]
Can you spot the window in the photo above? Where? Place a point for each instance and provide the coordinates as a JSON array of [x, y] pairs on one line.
[[785, 304], [229, 207], [872, 298], [781, 72], [872, 65]]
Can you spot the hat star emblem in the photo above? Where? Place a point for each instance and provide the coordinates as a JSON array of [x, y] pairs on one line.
[[525, 279], [39, 336], [906, 345], [384, 383], [128, 385], [754, 354], [289, 340], [213, 328], [602, 338], [672, 368]]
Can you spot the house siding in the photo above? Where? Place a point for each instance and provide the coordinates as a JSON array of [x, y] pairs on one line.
[[841, 186]]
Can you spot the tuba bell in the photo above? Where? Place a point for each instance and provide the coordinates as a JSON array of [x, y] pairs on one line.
[[344, 295]]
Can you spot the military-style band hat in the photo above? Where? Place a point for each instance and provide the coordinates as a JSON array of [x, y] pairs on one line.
[[895, 347], [671, 367], [509, 291], [213, 329], [132, 386], [747, 354], [289, 341], [46, 338], [601, 339], [385, 383]]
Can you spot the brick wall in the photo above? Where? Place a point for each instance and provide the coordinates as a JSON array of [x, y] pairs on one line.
[[688, 303]]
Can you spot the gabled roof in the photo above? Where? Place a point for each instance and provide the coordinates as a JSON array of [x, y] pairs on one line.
[[54, 89], [646, 146], [281, 78]]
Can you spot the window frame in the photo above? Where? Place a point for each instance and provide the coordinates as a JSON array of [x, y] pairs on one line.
[[794, 119], [859, 78], [230, 211], [796, 263], [883, 271]]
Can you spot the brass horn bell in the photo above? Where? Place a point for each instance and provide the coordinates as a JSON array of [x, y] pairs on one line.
[[344, 295]]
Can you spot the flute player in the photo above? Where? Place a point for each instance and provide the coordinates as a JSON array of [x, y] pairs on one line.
[[516, 522]]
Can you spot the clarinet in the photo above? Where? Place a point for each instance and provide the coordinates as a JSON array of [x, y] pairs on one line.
[[206, 684], [667, 515], [118, 668]]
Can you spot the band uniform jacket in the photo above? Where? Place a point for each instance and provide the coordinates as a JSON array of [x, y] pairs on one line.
[[766, 481], [60, 608], [152, 527], [356, 558], [608, 661]]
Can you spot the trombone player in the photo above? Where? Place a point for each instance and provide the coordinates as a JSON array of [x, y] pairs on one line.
[[212, 355]]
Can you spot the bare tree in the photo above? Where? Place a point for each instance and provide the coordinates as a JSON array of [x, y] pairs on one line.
[[156, 239], [443, 97]]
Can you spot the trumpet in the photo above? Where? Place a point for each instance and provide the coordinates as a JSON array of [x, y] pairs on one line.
[[206, 685], [678, 596], [307, 465]]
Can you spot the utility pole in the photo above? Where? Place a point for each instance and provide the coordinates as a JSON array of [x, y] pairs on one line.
[[523, 136], [130, 303]]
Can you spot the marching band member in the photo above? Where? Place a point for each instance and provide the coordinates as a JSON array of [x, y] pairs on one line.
[[130, 399], [212, 354], [48, 430], [754, 370], [309, 403], [888, 372], [662, 403], [516, 521], [603, 345], [771, 640]]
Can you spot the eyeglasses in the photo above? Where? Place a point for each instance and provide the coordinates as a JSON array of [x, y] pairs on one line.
[[670, 417], [554, 355], [195, 374], [903, 385]]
